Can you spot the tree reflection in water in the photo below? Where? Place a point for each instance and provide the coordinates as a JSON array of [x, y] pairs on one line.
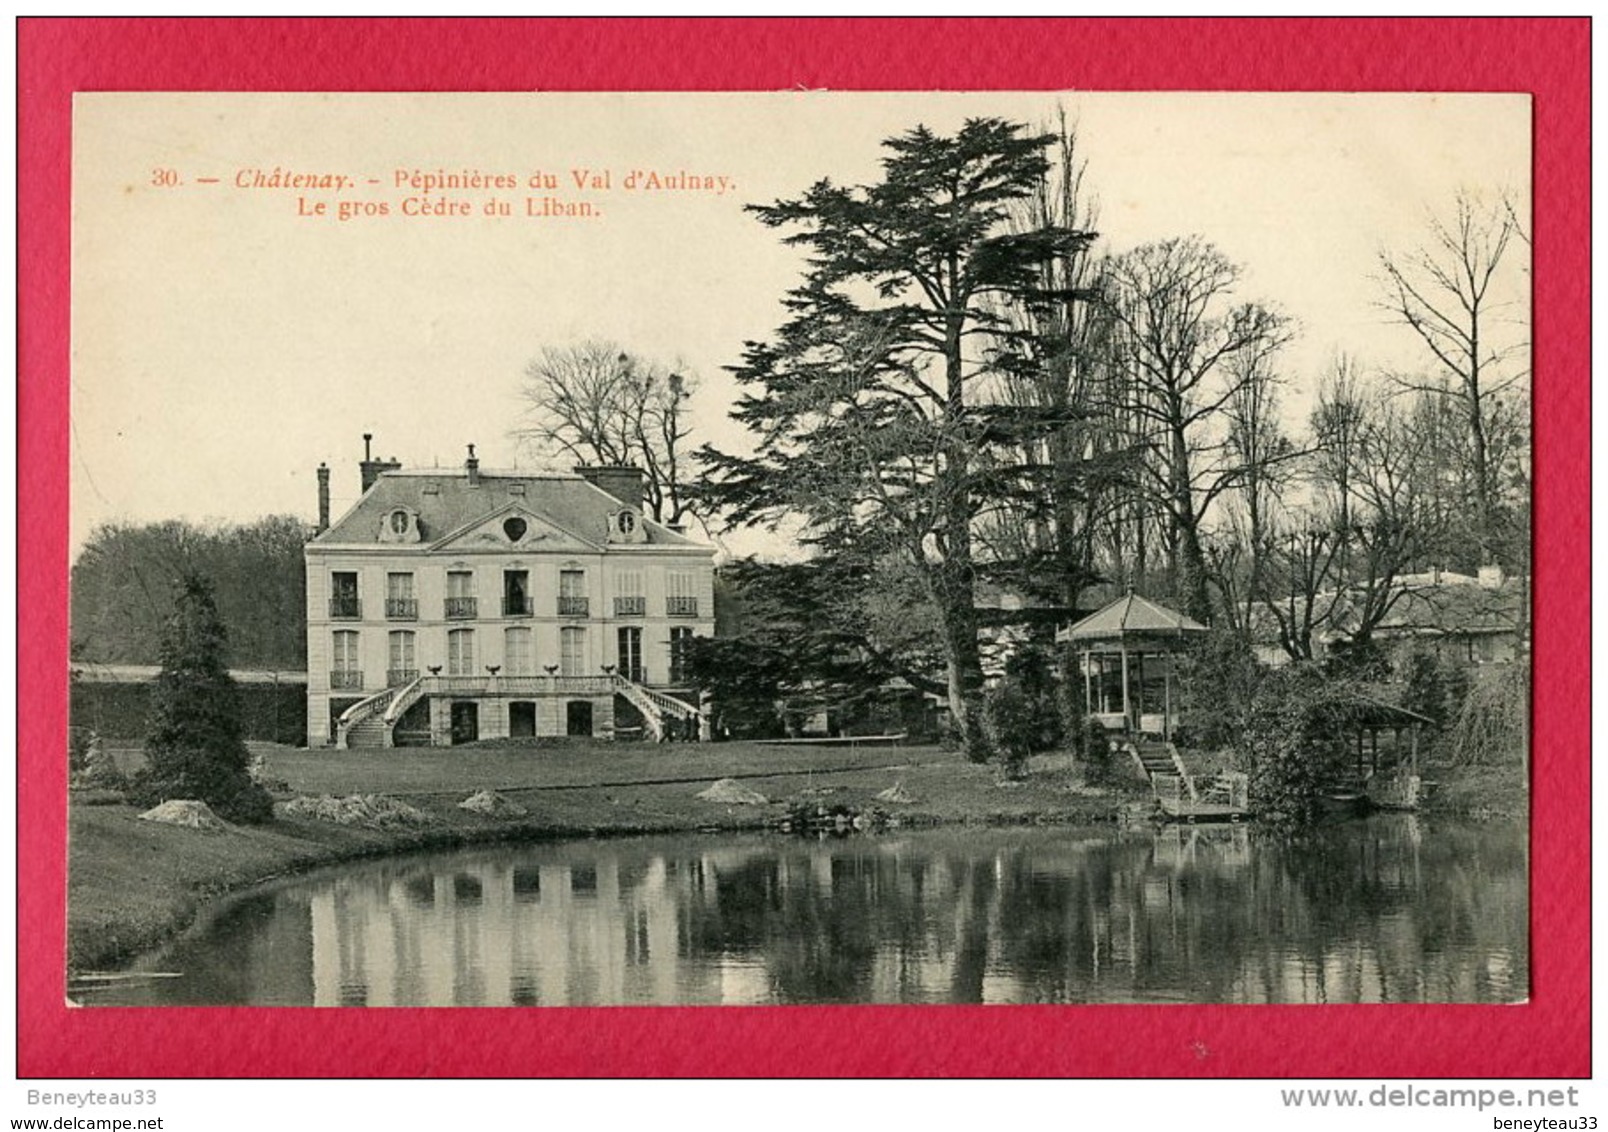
[[1392, 909]]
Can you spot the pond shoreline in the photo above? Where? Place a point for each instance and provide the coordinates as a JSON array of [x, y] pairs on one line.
[[247, 857], [134, 885], [1209, 913]]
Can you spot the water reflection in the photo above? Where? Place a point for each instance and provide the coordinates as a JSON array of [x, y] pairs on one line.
[[1388, 910]]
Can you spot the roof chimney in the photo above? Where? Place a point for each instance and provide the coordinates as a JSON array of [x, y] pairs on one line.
[[370, 467], [623, 481], [323, 498], [472, 466]]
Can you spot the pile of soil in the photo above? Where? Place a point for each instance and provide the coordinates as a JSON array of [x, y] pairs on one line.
[[194, 815], [374, 811], [896, 793], [732, 793], [492, 804]]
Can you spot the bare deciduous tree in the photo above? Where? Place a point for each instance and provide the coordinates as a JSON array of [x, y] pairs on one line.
[[1392, 523], [1170, 301], [597, 404], [1298, 591], [1449, 291], [1259, 446], [1337, 425]]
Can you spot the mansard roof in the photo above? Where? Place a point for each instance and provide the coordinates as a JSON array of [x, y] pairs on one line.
[[446, 502]]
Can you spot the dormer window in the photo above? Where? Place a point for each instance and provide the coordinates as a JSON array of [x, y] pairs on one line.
[[400, 524], [625, 526]]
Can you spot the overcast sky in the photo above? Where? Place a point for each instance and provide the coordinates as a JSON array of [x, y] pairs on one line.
[[223, 344]]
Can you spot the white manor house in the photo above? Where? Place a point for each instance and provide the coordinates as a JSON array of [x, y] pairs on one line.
[[450, 605]]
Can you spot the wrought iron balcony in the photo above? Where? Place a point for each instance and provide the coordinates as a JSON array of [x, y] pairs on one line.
[[402, 608], [461, 608], [395, 677], [573, 607], [630, 606], [346, 606], [516, 606], [346, 680], [681, 606]]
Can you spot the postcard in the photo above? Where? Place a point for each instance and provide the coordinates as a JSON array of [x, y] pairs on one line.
[[1007, 551]]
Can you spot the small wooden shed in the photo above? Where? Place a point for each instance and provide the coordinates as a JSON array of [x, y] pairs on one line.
[[1360, 718]]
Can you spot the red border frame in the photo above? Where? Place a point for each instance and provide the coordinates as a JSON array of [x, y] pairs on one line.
[[1550, 58]]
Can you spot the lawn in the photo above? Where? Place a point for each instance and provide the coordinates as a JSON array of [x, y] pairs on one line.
[[568, 764]]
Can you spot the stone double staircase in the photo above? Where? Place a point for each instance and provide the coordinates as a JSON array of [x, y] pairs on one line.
[[370, 723]]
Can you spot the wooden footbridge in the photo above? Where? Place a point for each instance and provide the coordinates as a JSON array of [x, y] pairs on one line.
[[1181, 795]]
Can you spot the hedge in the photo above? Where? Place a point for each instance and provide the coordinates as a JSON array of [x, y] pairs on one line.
[[273, 712]]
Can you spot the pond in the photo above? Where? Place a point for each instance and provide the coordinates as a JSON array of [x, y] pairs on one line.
[[1394, 908]]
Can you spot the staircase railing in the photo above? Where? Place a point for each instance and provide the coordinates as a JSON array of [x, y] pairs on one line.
[[654, 706], [356, 714], [1183, 772], [1165, 785], [670, 705], [1228, 789], [406, 696]]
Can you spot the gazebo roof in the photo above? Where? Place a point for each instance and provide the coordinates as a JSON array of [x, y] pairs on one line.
[[1364, 711], [1128, 616]]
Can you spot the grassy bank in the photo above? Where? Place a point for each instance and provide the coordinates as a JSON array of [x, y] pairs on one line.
[[133, 883], [1478, 791]]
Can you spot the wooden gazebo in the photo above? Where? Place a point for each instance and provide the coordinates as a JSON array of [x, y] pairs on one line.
[[1123, 649]]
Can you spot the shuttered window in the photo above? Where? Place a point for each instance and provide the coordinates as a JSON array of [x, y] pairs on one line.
[[461, 652], [572, 651], [517, 658]]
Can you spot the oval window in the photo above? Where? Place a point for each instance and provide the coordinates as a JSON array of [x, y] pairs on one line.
[[515, 529], [399, 522], [627, 522]]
